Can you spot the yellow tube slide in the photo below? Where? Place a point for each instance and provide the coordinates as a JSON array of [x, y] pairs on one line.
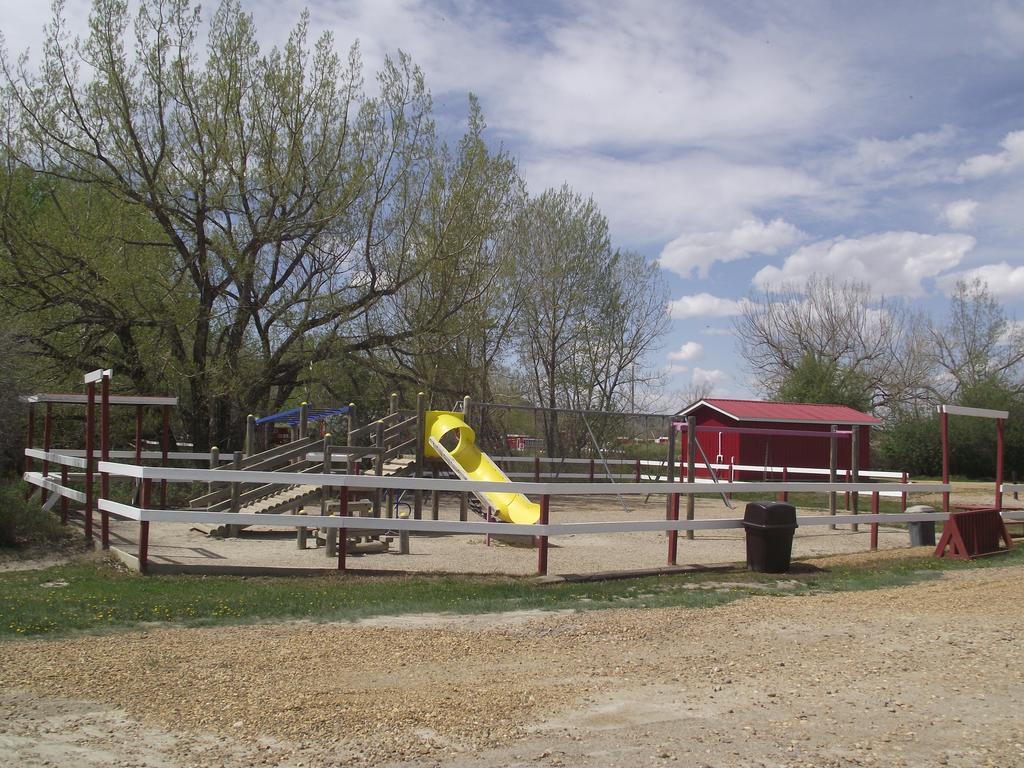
[[474, 464]]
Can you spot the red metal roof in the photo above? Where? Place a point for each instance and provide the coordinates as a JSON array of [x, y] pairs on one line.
[[787, 413]]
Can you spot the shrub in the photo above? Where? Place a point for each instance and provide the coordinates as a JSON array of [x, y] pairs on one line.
[[22, 522]]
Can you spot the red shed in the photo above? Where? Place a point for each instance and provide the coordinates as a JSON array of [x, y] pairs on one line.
[[785, 448]]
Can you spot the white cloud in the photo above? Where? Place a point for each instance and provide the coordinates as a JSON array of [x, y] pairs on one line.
[[892, 263], [1011, 157], [711, 377], [960, 213], [697, 251], [654, 200], [689, 351], [1004, 281], [703, 305], [874, 155]]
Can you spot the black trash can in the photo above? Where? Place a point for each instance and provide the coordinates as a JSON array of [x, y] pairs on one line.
[[770, 526], [922, 533]]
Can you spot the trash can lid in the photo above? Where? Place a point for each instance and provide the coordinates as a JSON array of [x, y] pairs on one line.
[[773, 514]]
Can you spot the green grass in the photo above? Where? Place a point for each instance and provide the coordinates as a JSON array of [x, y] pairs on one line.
[[95, 596]]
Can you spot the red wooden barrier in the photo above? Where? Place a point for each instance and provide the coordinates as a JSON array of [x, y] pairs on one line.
[[973, 533]]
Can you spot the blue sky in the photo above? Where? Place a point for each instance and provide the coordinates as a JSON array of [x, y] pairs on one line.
[[739, 143]]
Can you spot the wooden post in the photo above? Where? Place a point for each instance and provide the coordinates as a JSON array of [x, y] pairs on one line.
[[591, 475], [732, 474], [833, 465], [165, 446], [393, 403], [855, 471], [463, 507], [104, 456], [250, 435], [144, 528], [636, 472], [378, 469], [465, 408], [536, 469], [421, 403], [303, 420], [330, 534], [542, 543], [944, 434], [691, 466], [214, 464], [342, 532], [1013, 479], [903, 496], [1000, 423], [784, 495], [435, 498], [236, 492], [875, 507], [47, 431], [90, 431]]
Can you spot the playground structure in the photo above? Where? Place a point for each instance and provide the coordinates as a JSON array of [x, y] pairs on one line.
[[359, 493]]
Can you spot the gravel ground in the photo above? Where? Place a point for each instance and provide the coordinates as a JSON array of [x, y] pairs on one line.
[[915, 676], [178, 544]]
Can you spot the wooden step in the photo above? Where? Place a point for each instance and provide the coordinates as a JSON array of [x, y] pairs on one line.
[[292, 495]]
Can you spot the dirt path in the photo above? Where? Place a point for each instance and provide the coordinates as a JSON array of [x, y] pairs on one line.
[[917, 676]]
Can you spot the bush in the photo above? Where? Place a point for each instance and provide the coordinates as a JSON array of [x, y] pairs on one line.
[[22, 522]]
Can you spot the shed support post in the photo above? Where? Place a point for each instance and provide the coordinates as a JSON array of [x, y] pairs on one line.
[[691, 466]]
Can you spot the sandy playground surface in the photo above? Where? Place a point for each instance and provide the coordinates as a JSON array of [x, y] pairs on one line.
[[925, 675], [179, 544]]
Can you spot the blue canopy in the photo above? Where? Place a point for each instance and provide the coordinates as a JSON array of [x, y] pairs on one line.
[[291, 416]]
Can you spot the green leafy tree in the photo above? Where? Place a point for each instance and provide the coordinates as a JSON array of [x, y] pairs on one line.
[[822, 381], [221, 224]]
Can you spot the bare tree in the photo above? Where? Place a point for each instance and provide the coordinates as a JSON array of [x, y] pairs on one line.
[[589, 316], [977, 343], [841, 324]]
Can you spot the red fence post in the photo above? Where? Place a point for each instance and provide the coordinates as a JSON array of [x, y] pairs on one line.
[[784, 495], [874, 524], [47, 430], [144, 529], [944, 434], [903, 496], [847, 494], [542, 544], [673, 536], [732, 475], [591, 475], [104, 456], [30, 443], [536, 469], [636, 473], [999, 463], [165, 436], [90, 429]]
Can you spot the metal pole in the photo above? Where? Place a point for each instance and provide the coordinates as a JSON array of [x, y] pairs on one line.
[[944, 434]]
